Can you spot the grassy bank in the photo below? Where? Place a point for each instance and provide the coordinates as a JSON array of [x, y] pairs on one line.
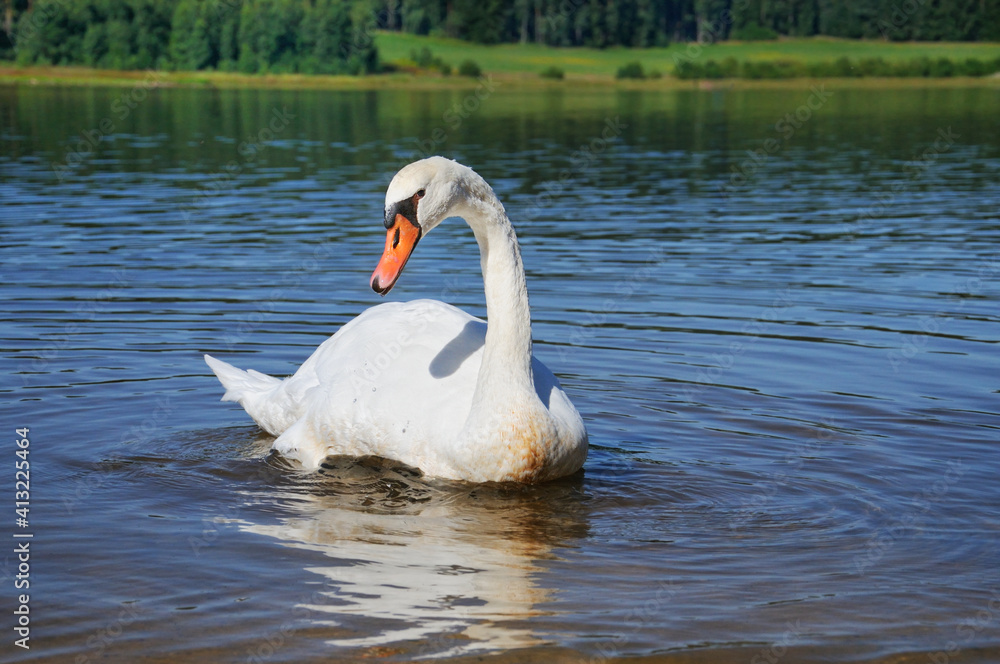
[[520, 65], [12, 74], [82, 76], [588, 62]]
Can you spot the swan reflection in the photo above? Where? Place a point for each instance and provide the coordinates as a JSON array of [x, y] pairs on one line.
[[438, 568]]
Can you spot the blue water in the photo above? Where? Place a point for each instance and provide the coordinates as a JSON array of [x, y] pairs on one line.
[[784, 346]]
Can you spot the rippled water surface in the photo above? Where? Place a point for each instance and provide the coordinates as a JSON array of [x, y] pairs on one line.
[[780, 329]]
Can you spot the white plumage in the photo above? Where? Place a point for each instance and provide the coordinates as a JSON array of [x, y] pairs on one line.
[[423, 382]]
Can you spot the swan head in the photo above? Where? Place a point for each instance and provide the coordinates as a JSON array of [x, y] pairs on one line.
[[420, 196]]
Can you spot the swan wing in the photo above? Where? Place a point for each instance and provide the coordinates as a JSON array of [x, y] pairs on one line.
[[396, 381]]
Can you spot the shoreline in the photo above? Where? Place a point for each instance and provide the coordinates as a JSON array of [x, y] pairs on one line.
[[33, 76]]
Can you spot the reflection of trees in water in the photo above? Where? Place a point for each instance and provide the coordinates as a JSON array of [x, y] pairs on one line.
[[450, 566]]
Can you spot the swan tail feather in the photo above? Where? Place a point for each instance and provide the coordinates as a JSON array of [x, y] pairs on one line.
[[240, 384], [262, 396]]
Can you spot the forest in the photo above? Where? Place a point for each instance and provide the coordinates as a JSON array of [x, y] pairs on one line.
[[336, 36], [639, 23]]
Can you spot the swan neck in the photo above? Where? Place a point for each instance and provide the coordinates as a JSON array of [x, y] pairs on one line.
[[507, 352]]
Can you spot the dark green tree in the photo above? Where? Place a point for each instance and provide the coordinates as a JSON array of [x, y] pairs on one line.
[[325, 38], [190, 39]]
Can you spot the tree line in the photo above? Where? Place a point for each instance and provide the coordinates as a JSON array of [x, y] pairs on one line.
[[638, 23], [335, 36], [272, 36]]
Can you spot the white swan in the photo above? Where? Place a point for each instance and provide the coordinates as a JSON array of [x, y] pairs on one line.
[[424, 382]]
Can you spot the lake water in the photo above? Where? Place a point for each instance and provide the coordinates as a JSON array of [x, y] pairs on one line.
[[777, 310]]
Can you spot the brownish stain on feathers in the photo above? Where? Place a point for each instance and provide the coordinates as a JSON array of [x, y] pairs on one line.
[[526, 447]]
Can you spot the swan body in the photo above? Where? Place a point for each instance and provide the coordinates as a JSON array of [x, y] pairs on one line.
[[423, 382]]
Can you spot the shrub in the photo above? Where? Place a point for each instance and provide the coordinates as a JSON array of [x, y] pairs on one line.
[[972, 67], [790, 69], [843, 66], [553, 72], [654, 74], [942, 68], [821, 69], [688, 70], [631, 70], [902, 68], [469, 68], [773, 69], [753, 70], [713, 70], [425, 59], [914, 67], [874, 67]]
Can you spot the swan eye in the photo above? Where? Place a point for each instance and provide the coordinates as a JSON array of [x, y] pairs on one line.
[[420, 194]]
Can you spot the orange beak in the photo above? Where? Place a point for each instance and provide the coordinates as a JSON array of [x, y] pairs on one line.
[[400, 240]]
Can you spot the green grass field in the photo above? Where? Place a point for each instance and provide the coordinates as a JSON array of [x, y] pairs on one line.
[[586, 62], [520, 64]]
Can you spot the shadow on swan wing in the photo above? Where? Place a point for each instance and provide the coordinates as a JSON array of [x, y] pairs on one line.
[[464, 345], [458, 350]]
